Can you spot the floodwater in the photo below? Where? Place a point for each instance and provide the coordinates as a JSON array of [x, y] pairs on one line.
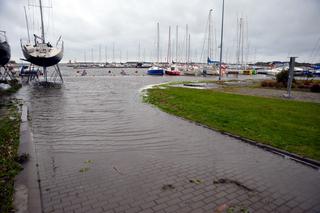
[[99, 147], [101, 111]]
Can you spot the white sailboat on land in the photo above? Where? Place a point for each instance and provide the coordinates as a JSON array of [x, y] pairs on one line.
[[43, 53]]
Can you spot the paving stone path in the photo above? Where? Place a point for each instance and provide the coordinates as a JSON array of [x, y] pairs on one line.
[[100, 149]]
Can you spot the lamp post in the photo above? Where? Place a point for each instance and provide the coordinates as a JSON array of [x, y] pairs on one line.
[[221, 40]]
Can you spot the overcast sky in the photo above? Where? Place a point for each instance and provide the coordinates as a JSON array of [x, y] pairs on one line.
[[276, 29]]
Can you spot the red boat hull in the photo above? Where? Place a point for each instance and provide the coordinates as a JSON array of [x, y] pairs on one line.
[[173, 72]]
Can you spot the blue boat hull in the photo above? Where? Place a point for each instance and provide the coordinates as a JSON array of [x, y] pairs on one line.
[[156, 72]]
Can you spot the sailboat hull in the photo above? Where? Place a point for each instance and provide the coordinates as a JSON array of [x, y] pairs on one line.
[[5, 53], [43, 59]]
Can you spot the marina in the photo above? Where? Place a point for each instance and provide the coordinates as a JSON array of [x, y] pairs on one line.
[[159, 107]]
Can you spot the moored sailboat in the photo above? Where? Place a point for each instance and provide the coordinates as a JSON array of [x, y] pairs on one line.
[[210, 68], [155, 70]]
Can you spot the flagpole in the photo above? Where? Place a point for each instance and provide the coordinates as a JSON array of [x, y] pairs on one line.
[[221, 40]]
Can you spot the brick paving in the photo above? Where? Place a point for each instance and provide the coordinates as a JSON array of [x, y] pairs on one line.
[[135, 158]]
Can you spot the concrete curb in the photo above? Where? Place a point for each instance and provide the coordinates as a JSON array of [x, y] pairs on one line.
[[27, 198], [306, 161], [288, 155]]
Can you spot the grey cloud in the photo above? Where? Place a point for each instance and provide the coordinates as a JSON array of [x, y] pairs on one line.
[[276, 28]]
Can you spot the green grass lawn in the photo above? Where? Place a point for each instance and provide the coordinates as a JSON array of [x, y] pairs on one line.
[[289, 125], [9, 142]]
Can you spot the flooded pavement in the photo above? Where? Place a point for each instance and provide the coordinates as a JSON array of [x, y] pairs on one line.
[[100, 149]]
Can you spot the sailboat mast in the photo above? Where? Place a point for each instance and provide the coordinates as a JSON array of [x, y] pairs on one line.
[[158, 44], [222, 20], [187, 42], [209, 36], [42, 25], [177, 43], [189, 48], [113, 59], [169, 46], [106, 53], [242, 39], [25, 14], [139, 52]]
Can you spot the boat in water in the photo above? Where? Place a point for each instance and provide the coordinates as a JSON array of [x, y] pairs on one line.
[[211, 67], [192, 70], [173, 70], [155, 71], [5, 52]]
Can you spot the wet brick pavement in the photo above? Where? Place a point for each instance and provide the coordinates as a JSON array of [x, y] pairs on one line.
[[108, 152]]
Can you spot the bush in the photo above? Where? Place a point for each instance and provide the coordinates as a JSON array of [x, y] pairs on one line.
[[283, 76], [271, 83], [267, 83], [315, 88]]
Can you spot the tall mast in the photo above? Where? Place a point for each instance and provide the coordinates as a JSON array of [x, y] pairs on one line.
[[189, 48], [187, 42], [127, 55], [106, 53], [99, 53], [92, 55], [42, 25], [238, 43], [169, 46], [139, 52], [177, 43], [158, 44], [113, 53], [242, 38], [222, 20], [209, 36], [25, 14]]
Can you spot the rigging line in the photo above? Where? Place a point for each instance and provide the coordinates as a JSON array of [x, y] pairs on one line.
[[204, 40], [317, 53], [315, 48]]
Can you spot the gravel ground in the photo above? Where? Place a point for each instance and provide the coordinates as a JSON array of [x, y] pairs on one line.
[[274, 93]]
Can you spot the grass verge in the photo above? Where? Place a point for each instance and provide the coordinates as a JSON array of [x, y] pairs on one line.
[[289, 125], [15, 86], [9, 142]]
